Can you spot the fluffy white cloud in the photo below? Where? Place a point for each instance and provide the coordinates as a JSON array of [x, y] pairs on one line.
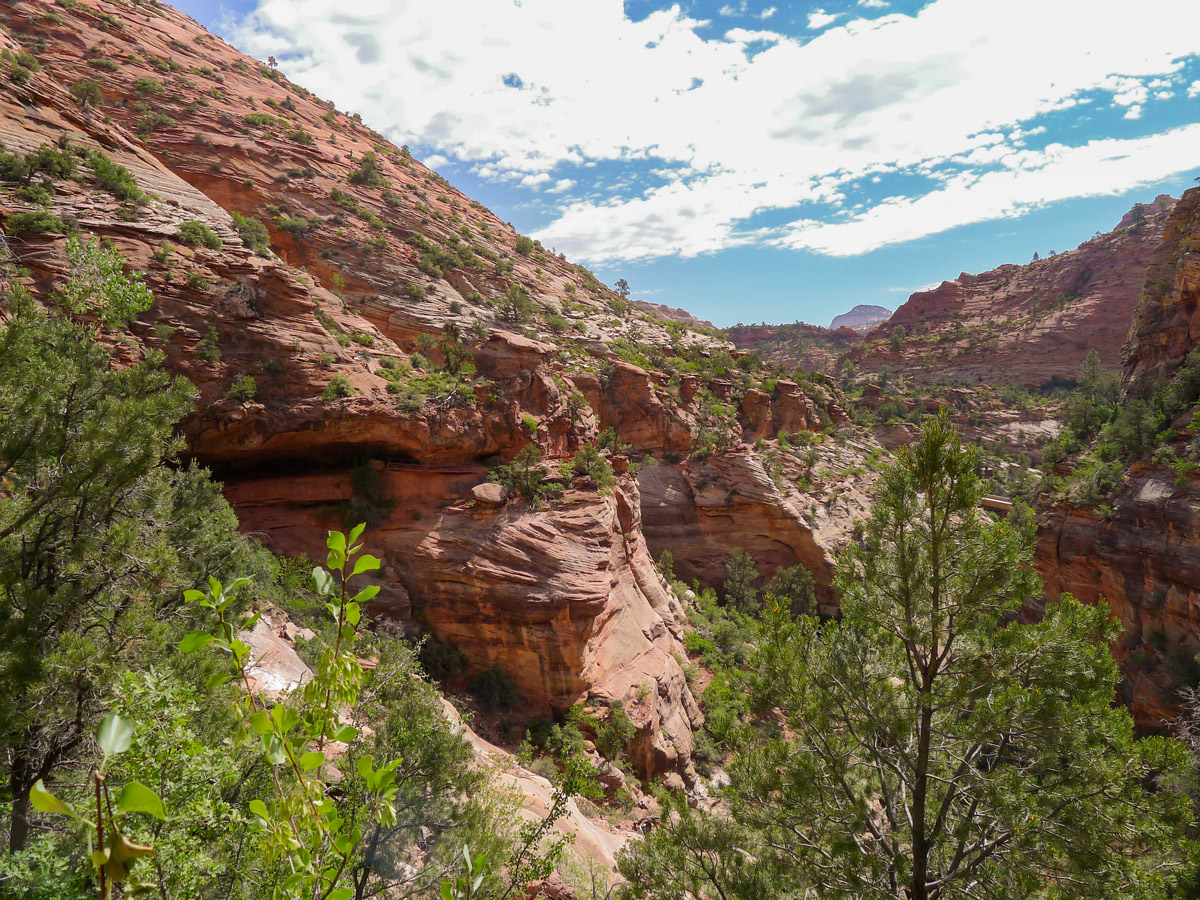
[[1194, 89], [739, 123], [1029, 180], [818, 19], [768, 12]]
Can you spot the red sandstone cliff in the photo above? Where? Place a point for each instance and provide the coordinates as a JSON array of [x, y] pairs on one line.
[[1142, 558], [1025, 324]]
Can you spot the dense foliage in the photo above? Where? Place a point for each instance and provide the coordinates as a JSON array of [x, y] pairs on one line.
[[932, 745]]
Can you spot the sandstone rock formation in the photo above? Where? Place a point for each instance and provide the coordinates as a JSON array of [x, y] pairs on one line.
[[1142, 558], [1025, 324], [810, 347], [1167, 322], [566, 599]]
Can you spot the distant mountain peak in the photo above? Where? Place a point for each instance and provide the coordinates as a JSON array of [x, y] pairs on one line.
[[862, 318]]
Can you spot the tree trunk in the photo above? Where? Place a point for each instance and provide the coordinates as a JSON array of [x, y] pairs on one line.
[[19, 784]]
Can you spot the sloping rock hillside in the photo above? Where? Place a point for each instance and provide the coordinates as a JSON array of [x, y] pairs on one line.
[[810, 347], [1029, 324], [367, 342]]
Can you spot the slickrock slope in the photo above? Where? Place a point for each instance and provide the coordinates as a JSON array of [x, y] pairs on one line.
[[810, 347], [1143, 557], [1030, 324], [377, 314]]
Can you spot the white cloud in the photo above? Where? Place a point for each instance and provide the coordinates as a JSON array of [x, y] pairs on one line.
[[1194, 89], [768, 12], [741, 123], [818, 19], [1057, 173]]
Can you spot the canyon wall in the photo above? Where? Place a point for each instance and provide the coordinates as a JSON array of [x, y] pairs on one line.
[[1030, 324], [1140, 553]]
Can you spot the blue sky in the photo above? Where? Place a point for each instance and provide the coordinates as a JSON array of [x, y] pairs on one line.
[[754, 161]]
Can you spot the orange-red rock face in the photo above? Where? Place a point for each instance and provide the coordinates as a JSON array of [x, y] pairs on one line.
[[565, 599], [1167, 323], [701, 509], [1028, 324], [1143, 560]]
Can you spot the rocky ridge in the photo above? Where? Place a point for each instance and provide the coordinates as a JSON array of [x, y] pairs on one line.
[[810, 347], [1029, 324]]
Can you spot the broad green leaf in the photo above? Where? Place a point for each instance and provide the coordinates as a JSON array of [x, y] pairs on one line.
[[276, 751], [345, 734], [217, 680], [260, 809], [285, 717], [260, 721], [356, 532], [367, 593], [342, 893], [336, 541], [214, 587], [114, 735], [193, 596], [322, 581], [447, 891], [352, 613], [195, 640], [44, 801], [136, 797], [335, 561], [314, 759], [365, 764], [366, 563]]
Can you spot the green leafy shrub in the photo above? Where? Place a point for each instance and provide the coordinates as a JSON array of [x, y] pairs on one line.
[[195, 233], [494, 689], [114, 178], [36, 222], [87, 93], [525, 475], [441, 659], [148, 86], [339, 386], [243, 389], [209, 348], [253, 232], [614, 733], [368, 172]]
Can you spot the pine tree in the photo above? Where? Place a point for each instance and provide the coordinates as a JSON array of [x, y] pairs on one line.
[[935, 746]]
